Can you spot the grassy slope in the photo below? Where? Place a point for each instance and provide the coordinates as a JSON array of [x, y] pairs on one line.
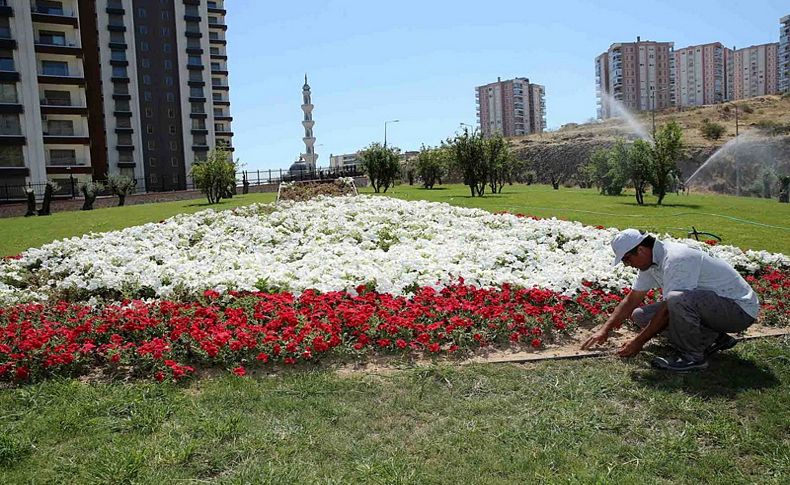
[[676, 217], [602, 420]]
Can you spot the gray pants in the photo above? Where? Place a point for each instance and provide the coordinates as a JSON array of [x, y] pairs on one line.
[[696, 318]]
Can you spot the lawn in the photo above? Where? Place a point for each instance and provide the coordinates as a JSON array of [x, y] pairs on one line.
[[581, 421], [601, 420], [745, 222]]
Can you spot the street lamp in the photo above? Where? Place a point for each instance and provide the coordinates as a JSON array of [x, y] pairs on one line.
[[653, 102], [467, 126], [735, 155], [385, 130]]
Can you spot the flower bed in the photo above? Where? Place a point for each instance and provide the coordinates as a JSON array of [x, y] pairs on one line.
[[334, 277], [302, 191]]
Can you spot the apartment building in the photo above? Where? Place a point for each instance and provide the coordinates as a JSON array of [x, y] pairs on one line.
[[636, 74], [753, 71], [700, 74], [513, 107], [783, 60], [91, 88]]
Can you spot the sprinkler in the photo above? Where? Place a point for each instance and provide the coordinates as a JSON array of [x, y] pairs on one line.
[[694, 232]]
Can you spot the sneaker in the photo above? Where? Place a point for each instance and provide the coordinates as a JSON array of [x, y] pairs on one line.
[[722, 342], [679, 364]]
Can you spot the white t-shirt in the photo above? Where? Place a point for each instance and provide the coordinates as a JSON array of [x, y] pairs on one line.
[[677, 267]]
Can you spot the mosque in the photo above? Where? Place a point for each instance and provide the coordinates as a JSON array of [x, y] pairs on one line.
[[307, 160]]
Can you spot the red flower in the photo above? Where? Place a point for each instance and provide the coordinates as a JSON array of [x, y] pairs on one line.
[[536, 342], [711, 242], [159, 376], [263, 357], [211, 294], [240, 371]]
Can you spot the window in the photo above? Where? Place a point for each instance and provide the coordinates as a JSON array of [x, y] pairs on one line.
[[166, 47], [147, 96], [194, 60], [175, 178], [214, 51], [199, 124], [199, 140], [197, 108], [142, 29], [6, 60], [173, 162], [171, 98], [11, 156], [145, 62], [149, 113], [125, 139], [8, 93], [195, 76], [193, 27], [122, 105], [117, 54], [173, 146], [165, 31], [9, 124], [213, 19], [149, 128], [165, 15], [193, 43], [168, 65], [123, 122], [119, 71], [168, 80], [152, 144], [215, 66], [55, 68], [56, 98], [152, 176], [216, 96], [218, 112], [62, 157], [125, 157], [215, 81], [144, 46], [191, 10], [172, 129], [5, 28], [152, 162], [195, 92], [171, 113], [117, 38], [146, 79], [51, 38], [141, 12], [60, 128]]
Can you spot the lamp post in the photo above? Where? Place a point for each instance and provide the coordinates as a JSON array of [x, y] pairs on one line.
[[472, 128], [385, 130], [735, 156], [653, 109]]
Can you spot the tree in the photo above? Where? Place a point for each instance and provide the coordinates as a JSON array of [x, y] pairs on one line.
[[90, 190], [711, 130], [49, 189], [607, 168], [469, 157], [121, 185], [215, 175], [431, 165], [667, 148], [637, 163], [381, 165], [499, 161]]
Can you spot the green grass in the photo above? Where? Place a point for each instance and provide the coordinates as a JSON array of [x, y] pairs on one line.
[[588, 421], [20, 233], [738, 220]]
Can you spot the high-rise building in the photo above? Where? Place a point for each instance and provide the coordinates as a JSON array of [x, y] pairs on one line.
[[91, 88], [753, 71], [636, 74], [700, 74], [514, 107], [784, 54]]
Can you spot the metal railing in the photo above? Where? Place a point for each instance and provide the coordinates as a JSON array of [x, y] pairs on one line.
[[70, 185]]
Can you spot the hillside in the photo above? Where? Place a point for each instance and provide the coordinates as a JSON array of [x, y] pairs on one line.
[[759, 148]]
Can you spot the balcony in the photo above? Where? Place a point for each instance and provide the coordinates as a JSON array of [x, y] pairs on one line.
[[57, 46], [58, 75], [54, 15]]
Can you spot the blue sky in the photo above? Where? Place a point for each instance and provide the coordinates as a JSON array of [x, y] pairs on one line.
[[419, 62]]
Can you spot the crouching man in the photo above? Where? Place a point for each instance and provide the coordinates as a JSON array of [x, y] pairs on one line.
[[705, 300]]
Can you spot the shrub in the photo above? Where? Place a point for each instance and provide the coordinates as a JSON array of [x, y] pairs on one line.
[[121, 185], [711, 130], [215, 176], [90, 190]]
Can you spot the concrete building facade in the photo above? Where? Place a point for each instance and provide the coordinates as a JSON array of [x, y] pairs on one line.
[[753, 71], [92, 88], [513, 107], [700, 74], [638, 75], [783, 59]]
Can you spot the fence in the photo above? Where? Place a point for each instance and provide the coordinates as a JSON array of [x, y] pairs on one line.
[[69, 188]]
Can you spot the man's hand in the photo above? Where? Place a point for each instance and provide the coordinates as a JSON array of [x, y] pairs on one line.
[[630, 349], [598, 338]]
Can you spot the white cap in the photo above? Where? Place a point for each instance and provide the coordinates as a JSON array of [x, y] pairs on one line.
[[625, 241]]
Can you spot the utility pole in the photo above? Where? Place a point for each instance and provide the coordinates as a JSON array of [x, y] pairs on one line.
[[735, 156], [385, 130]]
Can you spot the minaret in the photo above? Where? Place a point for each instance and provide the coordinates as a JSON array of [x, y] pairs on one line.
[[309, 155]]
